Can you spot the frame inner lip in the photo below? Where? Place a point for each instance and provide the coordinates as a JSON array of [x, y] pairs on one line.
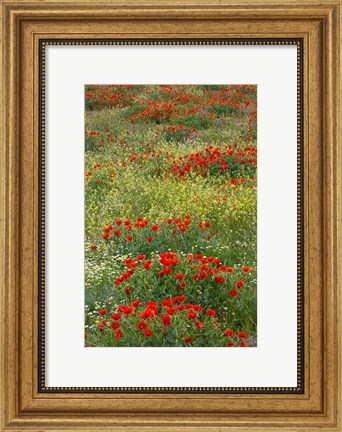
[[299, 389]]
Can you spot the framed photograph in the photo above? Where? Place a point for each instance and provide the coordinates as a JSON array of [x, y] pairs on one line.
[[170, 248]]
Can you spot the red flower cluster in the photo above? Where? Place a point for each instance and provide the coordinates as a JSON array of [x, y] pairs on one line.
[[163, 313], [134, 230], [216, 159]]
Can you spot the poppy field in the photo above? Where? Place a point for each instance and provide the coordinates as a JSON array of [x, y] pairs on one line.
[[170, 216]]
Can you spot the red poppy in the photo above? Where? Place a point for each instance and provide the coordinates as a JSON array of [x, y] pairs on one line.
[[210, 312], [246, 269], [239, 284], [167, 302], [242, 335], [115, 325], [148, 333], [128, 291], [179, 276], [93, 247], [166, 320], [129, 238], [136, 303], [219, 279], [152, 304], [192, 315], [141, 257], [118, 334], [115, 316], [199, 324], [117, 232], [127, 309], [102, 312], [170, 311], [149, 239], [106, 237], [147, 264], [233, 293], [229, 333], [141, 325], [231, 344], [182, 285], [243, 344], [188, 339], [155, 227], [150, 312]]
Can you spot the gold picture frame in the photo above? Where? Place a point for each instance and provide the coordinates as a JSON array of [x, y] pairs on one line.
[[28, 26]]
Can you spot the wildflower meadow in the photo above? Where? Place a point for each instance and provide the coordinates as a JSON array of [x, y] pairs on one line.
[[171, 216]]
